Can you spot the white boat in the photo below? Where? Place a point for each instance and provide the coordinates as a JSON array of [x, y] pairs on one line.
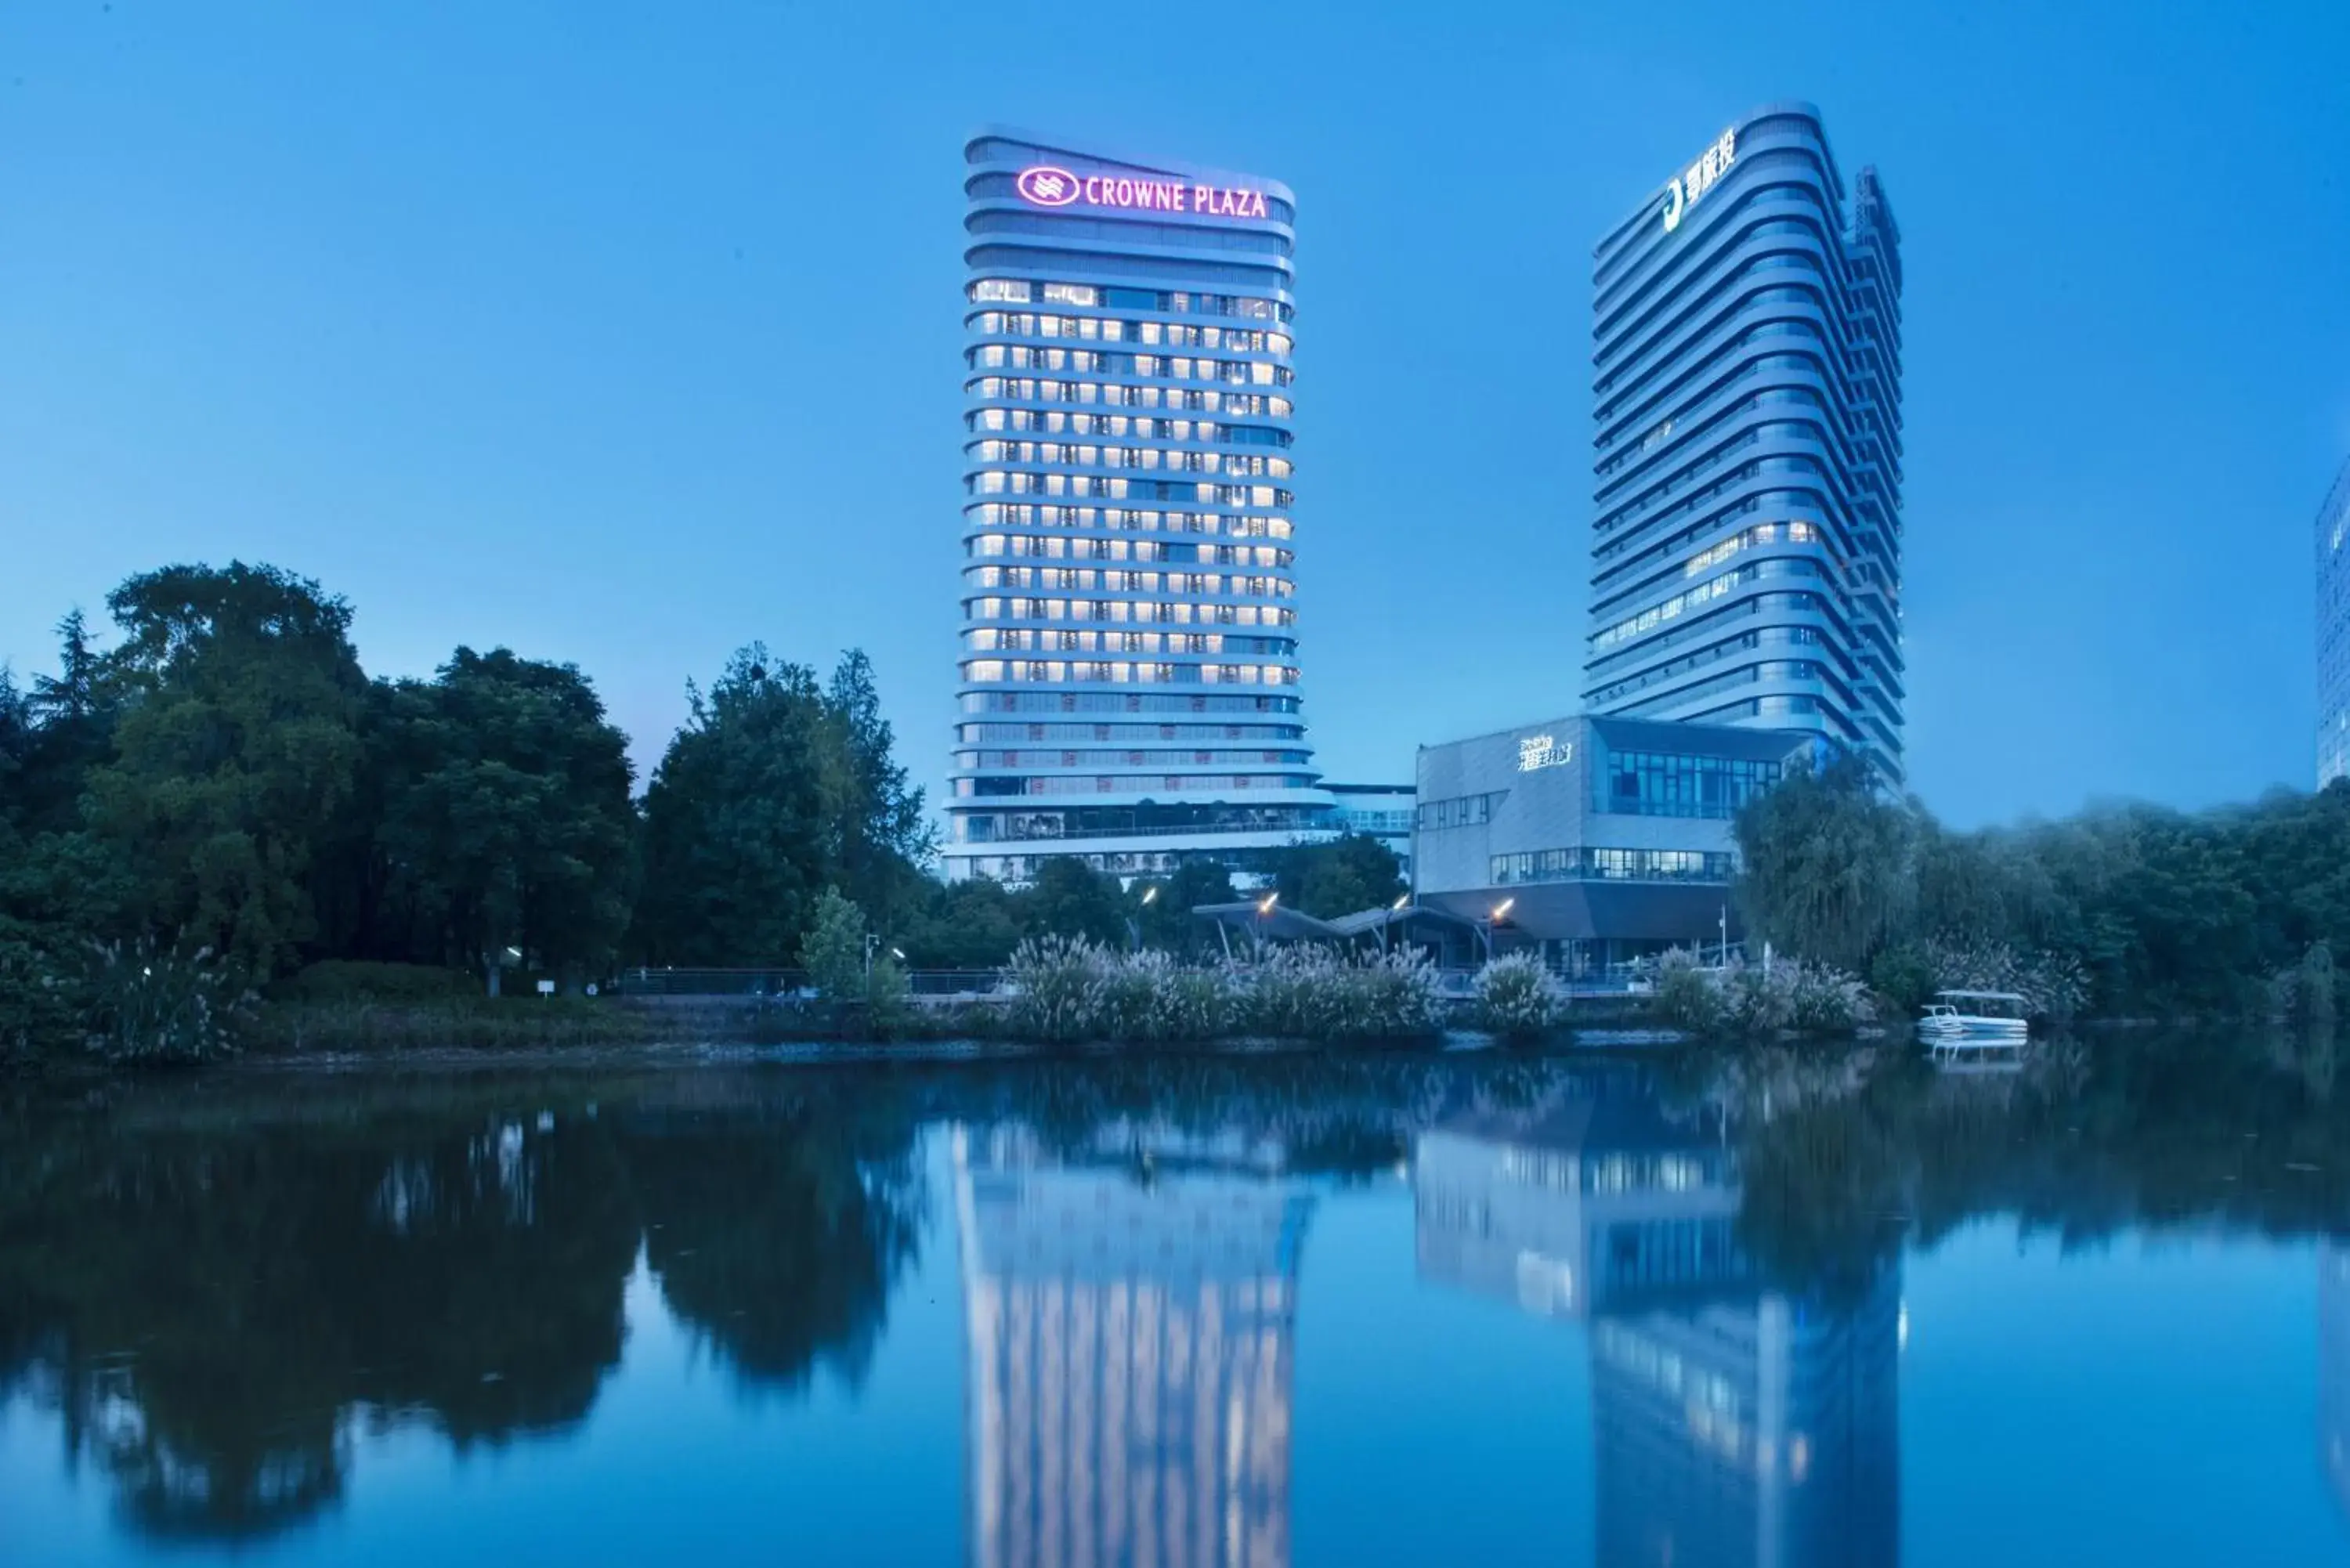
[[1974, 1026]]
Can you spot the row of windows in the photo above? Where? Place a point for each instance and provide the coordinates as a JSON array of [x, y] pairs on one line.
[[994, 482], [1121, 609], [1126, 783], [1697, 597], [1745, 675], [1115, 394], [1747, 539], [977, 733], [1463, 811], [1671, 783], [1094, 759], [1064, 421], [1794, 635], [1020, 291], [1253, 586], [1087, 455], [1110, 329], [1588, 863], [1089, 577], [1118, 672], [1023, 639], [1027, 514], [1164, 367], [1711, 625], [1113, 702]]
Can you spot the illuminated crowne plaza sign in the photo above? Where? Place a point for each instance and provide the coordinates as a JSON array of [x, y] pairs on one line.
[[1042, 185], [1544, 751], [1699, 178]]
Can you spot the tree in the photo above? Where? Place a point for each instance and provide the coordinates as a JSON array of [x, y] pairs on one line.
[[971, 924], [505, 816], [1825, 866], [737, 832], [235, 755], [882, 827], [1166, 921], [1070, 899], [1338, 875], [834, 953]]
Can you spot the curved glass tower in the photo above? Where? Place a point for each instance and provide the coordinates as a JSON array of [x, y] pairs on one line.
[[1128, 677], [2333, 632], [1746, 553]]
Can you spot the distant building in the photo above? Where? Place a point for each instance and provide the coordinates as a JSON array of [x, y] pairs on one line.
[[1129, 676], [1378, 811], [2333, 632], [1131, 1354], [1607, 839], [1746, 547]]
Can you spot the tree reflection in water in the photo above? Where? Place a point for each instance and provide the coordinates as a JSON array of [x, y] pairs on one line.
[[219, 1284], [214, 1310]]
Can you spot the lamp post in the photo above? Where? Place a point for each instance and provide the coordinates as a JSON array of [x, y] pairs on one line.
[[1500, 910], [1395, 908], [1134, 922], [1263, 911]]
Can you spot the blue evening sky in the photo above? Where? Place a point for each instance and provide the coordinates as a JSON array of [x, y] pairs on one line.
[[624, 334]]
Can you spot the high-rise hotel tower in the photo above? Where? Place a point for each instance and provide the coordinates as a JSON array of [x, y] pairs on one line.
[[1746, 552], [1129, 685]]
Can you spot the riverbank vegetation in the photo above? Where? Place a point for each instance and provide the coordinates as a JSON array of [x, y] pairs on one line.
[[2122, 911], [295, 850]]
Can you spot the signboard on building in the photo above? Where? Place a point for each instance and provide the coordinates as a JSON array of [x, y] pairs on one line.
[[1544, 751], [1045, 185], [1699, 178]]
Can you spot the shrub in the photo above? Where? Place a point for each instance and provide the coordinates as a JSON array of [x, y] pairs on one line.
[[353, 979], [1059, 989], [1150, 996], [1743, 999], [1518, 998], [1311, 992], [153, 1007], [1686, 995], [2053, 985]]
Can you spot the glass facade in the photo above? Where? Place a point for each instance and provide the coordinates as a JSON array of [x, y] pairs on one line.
[[1746, 551], [2334, 633], [1129, 587], [1666, 783], [1591, 863]]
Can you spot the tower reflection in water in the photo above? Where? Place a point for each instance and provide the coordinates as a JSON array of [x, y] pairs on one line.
[[2334, 1367], [1733, 1424], [1130, 1311]]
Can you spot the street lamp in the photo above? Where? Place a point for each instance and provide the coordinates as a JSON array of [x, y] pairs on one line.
[[1394, 908], [1264, 910], [1493, 920], [1134, 923]]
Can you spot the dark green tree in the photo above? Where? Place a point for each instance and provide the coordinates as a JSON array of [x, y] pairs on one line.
[[882, 827], [1167, 920], [971, 924], [235, 755], [1338, 875], [1070, 899], [739, 820], [505, 816]]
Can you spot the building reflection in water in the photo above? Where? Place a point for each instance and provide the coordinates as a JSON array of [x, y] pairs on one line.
[[1733, 1424], [2334, 1367], [1130, 1311]]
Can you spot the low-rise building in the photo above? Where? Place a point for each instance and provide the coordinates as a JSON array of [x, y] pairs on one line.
[[1601, 840]]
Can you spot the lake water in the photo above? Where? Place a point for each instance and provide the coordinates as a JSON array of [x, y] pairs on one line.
[[1681, 1312]]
